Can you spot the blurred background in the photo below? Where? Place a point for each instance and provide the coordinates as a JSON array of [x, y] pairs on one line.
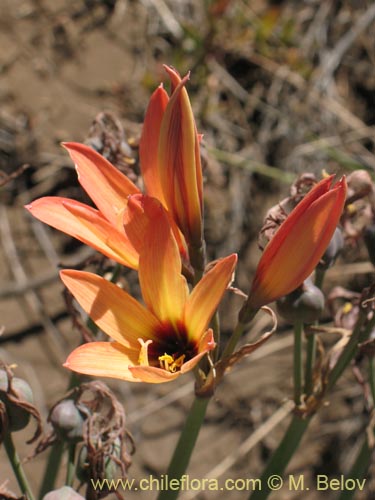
[[278, 88]]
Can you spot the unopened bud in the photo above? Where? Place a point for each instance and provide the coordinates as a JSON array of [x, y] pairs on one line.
[[333, 250], [67, 420], [305, 304], [18, 416], [64, 493]]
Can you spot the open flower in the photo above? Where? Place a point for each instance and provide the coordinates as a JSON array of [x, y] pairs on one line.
[[166, 337], [100, 228], [170, 164], [170, 157], [298, 245]]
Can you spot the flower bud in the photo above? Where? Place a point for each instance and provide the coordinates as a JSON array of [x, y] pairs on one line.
[[369, 239], [18, 416], [64, 493], [67, 420], [297, 246], [305, 304], [333, 250]]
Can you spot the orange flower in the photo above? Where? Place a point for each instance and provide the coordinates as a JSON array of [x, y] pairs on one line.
[[298, 245], [100, 228], [166, 337], [103, 228], [170, 157], [170, 164]]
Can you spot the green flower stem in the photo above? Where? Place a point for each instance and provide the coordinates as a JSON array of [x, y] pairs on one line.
[[70, 470], [52, 468], [232, 342], [116, 273], [183, 451], [310, 361], [246, 315], [297, 362], [198, 261], [15, 461], [311, 341], [364, 457], [319, 277], [298, 425], [185, 445], [282, 455], [359, 469], [360, 333]]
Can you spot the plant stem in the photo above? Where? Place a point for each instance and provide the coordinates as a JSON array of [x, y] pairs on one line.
[[311, 341], [362, 462], [319, 277], [359, 469], [297, 358], [282, 455], [298, 426], [198, 261], [70, 470], [310, 361], [52, 468], [232, 342], [360, 333], [183, 451], [15, 461], [116, 273]]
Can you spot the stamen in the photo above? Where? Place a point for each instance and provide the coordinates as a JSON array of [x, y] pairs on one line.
[[169, 364], [143, 353]]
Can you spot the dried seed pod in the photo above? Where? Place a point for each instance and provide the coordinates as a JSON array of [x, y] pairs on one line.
[[67, 420], [109, 468], [333, 250], [305, 304], [13, 393], [64, 493], [359, 185]]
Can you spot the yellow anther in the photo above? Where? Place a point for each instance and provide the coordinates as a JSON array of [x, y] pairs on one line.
[[165, 361], [143, 353], [347, 307], [169, 364], [325, 174]]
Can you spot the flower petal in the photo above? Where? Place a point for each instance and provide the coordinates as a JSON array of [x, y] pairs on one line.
[[206, 344], [149, 143], [152, 375], [298, 245], [105, 184], [207, 294], [87, 225], [315, 193], [179, 162], [116, 312], [136, 224], [103, 359], [164, 289]]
